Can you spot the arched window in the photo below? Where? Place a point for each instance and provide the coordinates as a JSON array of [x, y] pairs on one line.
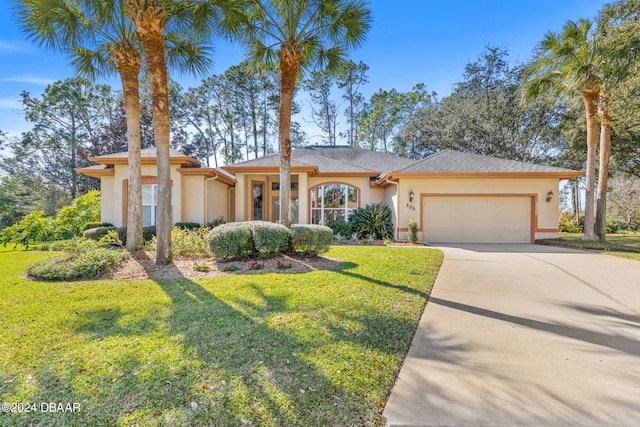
[[332, 201]]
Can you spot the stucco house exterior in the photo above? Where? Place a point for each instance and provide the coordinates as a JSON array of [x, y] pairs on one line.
[[453, 196]]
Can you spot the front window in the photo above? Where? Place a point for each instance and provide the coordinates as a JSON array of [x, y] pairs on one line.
[[330, 202], [150, 204]]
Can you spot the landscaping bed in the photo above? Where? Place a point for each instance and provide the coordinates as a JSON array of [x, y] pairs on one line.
[[142, 266]]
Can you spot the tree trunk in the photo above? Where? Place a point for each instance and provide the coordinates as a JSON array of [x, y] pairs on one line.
[[603, 169], [590, 97], [290, 59], [128, 64], [150, 21], [74, 145]]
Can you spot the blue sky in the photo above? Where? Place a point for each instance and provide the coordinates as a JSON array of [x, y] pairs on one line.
[[411, 41]]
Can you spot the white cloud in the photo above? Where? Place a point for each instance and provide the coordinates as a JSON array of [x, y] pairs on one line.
[[30, 80], [11, 47], [10, 103]]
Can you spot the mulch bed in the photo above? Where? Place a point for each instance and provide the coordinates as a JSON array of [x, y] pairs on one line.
[[142, 265]]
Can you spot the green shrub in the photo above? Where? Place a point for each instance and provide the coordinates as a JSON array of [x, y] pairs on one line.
[[187, 225], [216, 222], [77, 265], [97, 233], [413, 231], [89, 225], [147, 233], [185, 242], [372, 220], [568, 224], [341, 227], [269, 238], [311, 239], [122, 234], [70, 220], [231, 241], [32, 228]]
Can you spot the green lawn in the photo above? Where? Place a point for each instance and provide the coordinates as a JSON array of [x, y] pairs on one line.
[[312, 349], [621, 245]]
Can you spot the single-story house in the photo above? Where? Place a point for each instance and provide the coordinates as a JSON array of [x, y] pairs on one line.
[[453, 196]]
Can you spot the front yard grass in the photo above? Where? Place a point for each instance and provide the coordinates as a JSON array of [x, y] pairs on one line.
[[620, 245], [312, 349]]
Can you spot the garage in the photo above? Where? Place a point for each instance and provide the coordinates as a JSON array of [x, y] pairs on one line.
[[477, 218]]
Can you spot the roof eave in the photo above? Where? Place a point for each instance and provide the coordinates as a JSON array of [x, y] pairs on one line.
[[209, 173], [95, 173], [181, 160], [383, 181]]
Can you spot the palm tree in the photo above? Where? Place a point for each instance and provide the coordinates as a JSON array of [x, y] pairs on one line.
[[622, 53], [99, 40], [567, 63], [295, 35], [151, 19]]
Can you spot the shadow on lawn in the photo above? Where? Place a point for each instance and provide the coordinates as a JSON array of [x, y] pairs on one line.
[[241, 371], [211, 363]]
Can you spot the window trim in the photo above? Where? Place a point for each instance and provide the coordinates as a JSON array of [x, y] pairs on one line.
[[346, 184]]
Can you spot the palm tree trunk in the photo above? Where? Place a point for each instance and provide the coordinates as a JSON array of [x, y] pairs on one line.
[[590, 98], [150, 21], [290, 59], [603, 170], [128, 64]]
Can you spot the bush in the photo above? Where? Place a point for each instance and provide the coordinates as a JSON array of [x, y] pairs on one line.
[[187, 225], [84, 258], [89, 225], [33, 227], [341, 227], [216, 222], [231, 241], [270, 238], [97, 233], [311, 239], [76, 265], [567, 222], [70, 220], [413, 231], [185, 242], [372, 220], [148, 233]]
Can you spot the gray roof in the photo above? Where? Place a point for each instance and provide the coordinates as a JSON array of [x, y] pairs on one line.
[[336, 159], [457, 161], [145, 152]]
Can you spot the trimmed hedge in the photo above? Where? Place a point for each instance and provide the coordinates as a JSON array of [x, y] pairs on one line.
[[148, 233], [187, 225], [97, 233], [311, 239], [89, 225], [231, 241], [270, 238]]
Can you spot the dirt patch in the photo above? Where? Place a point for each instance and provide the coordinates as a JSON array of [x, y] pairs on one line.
[[142, 266]]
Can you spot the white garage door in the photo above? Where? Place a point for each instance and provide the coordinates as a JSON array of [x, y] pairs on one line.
[[476, 219]]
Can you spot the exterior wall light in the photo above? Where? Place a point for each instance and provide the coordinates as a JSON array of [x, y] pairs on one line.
[[549, 196], [411, 194]]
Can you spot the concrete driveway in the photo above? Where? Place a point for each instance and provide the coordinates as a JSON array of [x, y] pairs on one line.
[[524, 335]]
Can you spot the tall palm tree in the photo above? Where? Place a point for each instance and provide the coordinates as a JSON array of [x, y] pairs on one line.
[[567, 63], [294, 35], [622, 53], [99, 40], [151, 19]]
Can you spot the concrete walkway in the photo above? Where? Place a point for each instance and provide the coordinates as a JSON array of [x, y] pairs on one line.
[[524, 335]]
